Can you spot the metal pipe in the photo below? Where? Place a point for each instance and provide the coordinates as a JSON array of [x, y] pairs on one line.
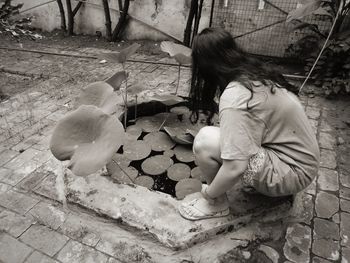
[[36, 6], [211, 13], [90, 57]]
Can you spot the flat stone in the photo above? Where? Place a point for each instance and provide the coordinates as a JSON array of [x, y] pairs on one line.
[[313, 112], [325, 127], [13, 223], [5, 175], [12, 250], [311, 189], [345, 179], [10, 142], [76, 252], [17, 201], [22, 159], [47, 187], [345, 255], [48, 215], [303, 208], [314, 125], [56, 116], [4, 188], [7, 155], [344, 192], [327, 141], [328, 159], [336, 218], [320, 260], [325, 229], [42, 238], [27, 142], [326, 248], [326, 204], [345, 205], [113, 260], [315, 102], [81, 229], [298, 243], [34, 178], [44, 143], [20, 173], [344, 158], [159, 214], [37, 257], [345, 229], [271, 253], [328, 180]]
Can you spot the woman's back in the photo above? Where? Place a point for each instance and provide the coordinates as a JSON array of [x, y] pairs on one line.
[[275, 121]]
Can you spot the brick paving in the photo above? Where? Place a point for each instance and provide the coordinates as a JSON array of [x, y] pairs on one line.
[[34, 228]]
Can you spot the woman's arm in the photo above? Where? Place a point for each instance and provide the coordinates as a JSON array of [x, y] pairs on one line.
[[228, 175]]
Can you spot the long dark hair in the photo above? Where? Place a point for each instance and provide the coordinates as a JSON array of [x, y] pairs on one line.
[[216, 61]]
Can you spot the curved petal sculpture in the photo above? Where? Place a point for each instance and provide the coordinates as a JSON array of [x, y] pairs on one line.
[[173, 49], [100, 94], [87, 137], [122, 55]]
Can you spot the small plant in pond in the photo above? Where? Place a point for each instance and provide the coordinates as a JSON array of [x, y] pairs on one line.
[[159, 159], [180, 53], [332, 71], [121, 57]]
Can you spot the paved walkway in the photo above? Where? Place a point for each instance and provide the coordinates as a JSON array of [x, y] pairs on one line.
[[35, 228]]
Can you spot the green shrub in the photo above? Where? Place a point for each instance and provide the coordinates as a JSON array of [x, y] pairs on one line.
[[11, 23], [332, 72]]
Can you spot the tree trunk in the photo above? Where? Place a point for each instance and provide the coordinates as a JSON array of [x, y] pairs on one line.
[[70, 18], [197, 20], [108, 20], [121, 22], [63, 16], [120, 4], [76, 9], [188, 29]]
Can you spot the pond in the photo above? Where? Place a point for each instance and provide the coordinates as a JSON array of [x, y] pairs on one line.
[[157, 152]]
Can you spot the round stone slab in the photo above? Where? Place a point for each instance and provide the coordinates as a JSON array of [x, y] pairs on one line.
[[133, 132], [180, 110], [145, 181], [197, 174], [136, 150], [159, 141], [179, 171], [184, 154], [169, 153], [125, 175], [118, 161], [149, 124], [187, 186], [156, 165]]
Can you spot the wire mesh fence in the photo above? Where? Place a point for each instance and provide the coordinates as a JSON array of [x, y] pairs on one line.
[[259, 26]]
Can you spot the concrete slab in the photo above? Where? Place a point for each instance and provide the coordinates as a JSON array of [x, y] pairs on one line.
[[156, 212]]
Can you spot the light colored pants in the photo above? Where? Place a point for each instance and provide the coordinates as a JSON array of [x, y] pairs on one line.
[[262, 176]]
